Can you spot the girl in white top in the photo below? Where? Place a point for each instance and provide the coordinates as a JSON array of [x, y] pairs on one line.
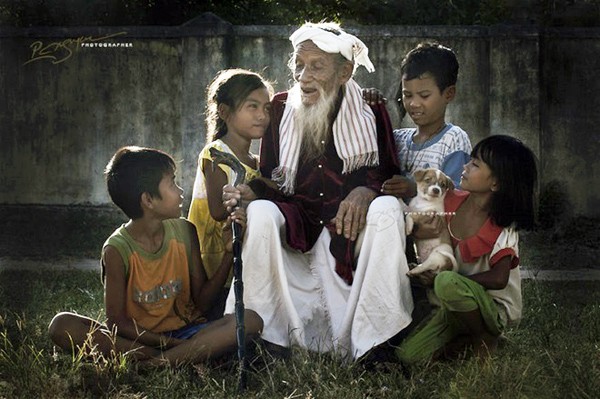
[[484, 295]]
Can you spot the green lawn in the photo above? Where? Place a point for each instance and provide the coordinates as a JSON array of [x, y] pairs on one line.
[[554, 353]]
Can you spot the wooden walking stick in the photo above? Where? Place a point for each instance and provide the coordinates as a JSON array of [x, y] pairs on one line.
[[219, 157]]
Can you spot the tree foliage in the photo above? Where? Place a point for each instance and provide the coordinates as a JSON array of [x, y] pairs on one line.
[[283, 12]]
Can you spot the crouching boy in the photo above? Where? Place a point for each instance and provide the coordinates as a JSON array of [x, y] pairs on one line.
[[155, 287]]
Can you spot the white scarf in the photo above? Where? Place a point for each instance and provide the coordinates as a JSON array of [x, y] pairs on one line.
[[354, 135], [332, 39]]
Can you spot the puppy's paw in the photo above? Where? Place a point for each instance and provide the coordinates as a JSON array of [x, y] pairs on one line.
[[418, 269], [435, 263]]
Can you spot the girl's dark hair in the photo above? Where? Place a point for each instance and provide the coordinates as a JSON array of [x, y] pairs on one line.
[[513, 165], [229, 87]]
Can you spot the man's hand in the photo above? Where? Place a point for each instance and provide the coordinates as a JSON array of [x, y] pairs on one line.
[[399, 186], [352, 213], [373, 96], [232, 195]]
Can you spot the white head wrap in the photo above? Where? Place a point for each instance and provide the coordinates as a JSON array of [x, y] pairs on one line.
[[331, 39]]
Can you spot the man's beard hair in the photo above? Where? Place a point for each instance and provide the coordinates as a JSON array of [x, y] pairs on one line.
[[313, 121]]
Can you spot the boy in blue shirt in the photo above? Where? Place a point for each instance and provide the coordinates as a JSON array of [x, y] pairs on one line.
[[429, 73]]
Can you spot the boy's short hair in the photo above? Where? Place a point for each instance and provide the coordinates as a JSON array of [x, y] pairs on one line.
[[133, 171], [432, 58]]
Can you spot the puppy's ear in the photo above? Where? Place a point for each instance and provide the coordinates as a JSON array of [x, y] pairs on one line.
[[419, 174], [446, 181]]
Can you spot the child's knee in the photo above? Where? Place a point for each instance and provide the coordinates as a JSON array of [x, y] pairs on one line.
[[59, 327], [445, 285], [254, 323], [57, 322]]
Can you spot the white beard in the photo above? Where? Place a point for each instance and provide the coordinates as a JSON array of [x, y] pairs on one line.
[[312, 120]]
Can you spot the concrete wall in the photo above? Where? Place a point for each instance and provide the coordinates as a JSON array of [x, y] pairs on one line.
[[570, 109], [61, 122]]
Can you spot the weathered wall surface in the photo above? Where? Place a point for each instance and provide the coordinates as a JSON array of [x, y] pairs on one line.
[[65, 108], [570, 131]]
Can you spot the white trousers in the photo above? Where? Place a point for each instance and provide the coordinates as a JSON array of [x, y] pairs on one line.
[[304, 302]]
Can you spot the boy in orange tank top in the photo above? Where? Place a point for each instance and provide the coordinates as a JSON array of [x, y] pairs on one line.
[[155, 287]]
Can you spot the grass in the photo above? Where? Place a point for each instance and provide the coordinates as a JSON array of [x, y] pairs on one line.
[[554, 353]]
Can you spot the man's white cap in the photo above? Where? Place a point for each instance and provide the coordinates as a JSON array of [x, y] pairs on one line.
[[330, 38]]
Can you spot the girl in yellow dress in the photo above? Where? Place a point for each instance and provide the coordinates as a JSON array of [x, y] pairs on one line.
[[237, 112]]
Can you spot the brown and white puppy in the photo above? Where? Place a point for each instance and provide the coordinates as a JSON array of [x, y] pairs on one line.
[[433, 254]]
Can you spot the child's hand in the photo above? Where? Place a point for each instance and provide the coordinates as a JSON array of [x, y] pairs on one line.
[[167, 342], [373, 96], [238, 216], [399, 186], [232, 195], [425, 279]]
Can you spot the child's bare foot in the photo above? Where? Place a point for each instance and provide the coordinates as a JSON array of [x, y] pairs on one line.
[[484, 345], [456, 349]]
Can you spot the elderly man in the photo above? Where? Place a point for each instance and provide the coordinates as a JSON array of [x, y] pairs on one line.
[[323, 255]]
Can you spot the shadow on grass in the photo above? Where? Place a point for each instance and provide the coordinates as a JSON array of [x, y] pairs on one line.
[[43, 293], [51, 232]]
